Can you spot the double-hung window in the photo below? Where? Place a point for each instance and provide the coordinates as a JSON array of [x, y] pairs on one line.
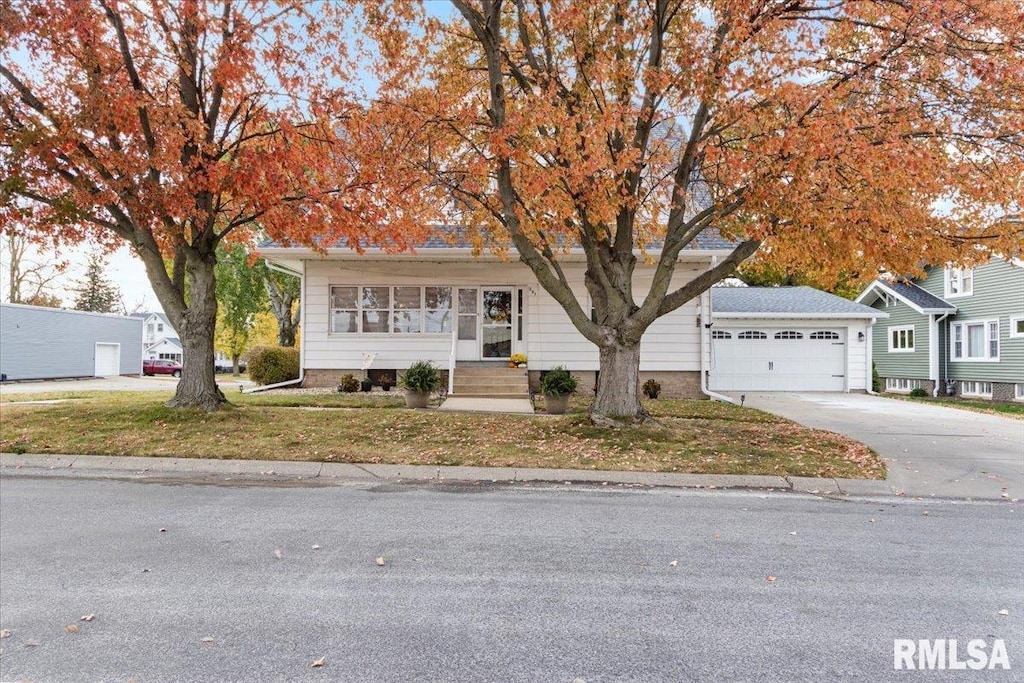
[[901, 339], [959, 281], [974, 340]]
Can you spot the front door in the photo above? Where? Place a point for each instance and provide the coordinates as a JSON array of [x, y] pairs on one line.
[[497, 319]]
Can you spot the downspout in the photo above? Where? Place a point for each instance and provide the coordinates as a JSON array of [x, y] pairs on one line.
[[302, 336], [870, 383], [705, 338], [942, 356]]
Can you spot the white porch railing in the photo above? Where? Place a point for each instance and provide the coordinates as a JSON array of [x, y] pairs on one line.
[[451, 357]]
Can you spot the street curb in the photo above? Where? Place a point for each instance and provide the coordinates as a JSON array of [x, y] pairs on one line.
[[137, 466]]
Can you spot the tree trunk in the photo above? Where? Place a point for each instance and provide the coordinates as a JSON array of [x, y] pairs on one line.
[[197, 387], [617, 403], [286, 333], [234, 364]]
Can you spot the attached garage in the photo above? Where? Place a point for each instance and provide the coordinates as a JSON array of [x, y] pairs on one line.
[[788, 339]]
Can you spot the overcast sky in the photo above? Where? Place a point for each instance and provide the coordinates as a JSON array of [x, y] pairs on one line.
[[122, 268]]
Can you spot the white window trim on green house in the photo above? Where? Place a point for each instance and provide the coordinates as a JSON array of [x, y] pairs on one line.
[[959, 282], [1016, 327], [972, 388], [960, 347], [901, 384], [901, 339]]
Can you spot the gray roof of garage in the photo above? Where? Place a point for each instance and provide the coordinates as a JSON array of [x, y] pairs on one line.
[[785, 302]]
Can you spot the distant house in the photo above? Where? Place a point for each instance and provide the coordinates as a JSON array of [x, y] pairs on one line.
[[956, 331], [49, 343], [161, 341], [159, 338]]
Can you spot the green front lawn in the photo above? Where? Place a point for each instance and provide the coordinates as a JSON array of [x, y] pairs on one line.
[[687, 436]]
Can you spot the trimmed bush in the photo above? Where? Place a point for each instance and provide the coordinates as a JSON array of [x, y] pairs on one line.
[[385, 384], [273, 364], [421, 376], [876, 381], [366, 385], [349, 384], [558, 382], [918, 392], [652, 388]]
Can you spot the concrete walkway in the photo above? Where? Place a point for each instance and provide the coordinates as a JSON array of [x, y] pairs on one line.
[[930, 450], [474, 404], [270, 472]]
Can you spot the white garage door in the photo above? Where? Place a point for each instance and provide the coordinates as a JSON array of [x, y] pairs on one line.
[[108, 359], [778, 359]]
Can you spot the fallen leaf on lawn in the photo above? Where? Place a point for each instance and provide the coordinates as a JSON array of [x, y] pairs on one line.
[[381, 562], [317, 663], [87, 617], [1003, 612], [674, 563], [792, 533], [872, 520], [30, 643], [207, 639], [278, 554], [717, 536], [5, 634], [771, 579], [925, 512], [71, 628], [316, 547]]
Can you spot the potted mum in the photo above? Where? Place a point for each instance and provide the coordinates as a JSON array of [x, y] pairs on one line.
[[518, 360], [557, 385], [418, 381]]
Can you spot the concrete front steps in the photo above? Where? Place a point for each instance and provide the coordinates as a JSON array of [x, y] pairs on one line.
[[497, 381]]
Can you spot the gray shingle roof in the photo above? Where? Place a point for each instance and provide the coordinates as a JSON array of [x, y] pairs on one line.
[[918, 296], [779, 301], [458, 237]]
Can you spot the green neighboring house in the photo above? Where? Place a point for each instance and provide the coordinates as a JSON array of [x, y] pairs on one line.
[[957, 331]]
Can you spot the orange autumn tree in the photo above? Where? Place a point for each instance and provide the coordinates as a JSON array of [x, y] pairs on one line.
[[832, 133], [173, 125]]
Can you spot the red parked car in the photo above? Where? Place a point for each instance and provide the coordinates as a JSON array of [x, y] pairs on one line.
[[161, 367]]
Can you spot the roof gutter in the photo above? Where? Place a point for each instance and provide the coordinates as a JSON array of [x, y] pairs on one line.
[[705, 338], [302, 326]]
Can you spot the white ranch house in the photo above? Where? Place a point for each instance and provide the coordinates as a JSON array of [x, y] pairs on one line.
[[382, 312]]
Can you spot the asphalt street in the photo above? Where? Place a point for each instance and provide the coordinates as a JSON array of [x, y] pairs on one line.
[[191, 582]]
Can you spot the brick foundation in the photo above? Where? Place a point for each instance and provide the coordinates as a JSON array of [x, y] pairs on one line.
[[331, 378], [673, 384], [1002, 391]]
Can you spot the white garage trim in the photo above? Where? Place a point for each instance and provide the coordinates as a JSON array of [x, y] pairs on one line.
[[108, 359], [755, 356]]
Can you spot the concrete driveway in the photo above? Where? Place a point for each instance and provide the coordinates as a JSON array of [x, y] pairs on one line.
[[930, 450], [123, 383]]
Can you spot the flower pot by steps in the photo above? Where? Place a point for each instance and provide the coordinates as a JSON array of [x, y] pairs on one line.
[[416, 399], [556, 405]]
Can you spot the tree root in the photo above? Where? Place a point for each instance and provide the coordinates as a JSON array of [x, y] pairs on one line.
[[621, 421]]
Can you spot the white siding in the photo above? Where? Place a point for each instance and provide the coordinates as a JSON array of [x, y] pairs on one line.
[[672, 343]]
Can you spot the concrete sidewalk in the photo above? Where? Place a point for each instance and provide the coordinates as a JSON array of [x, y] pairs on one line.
[[344, 473]]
